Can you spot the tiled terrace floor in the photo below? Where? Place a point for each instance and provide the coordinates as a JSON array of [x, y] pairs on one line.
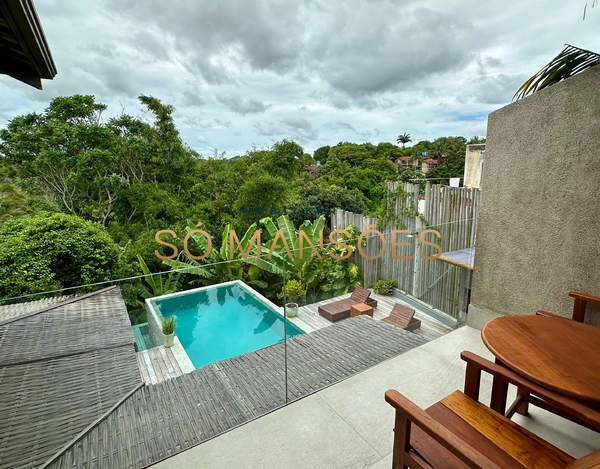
[[349, 425]]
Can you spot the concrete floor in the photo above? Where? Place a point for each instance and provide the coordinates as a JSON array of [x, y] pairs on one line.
[[349, 425]]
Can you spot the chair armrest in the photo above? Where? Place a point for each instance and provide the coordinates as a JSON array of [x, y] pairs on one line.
[[586, 414], [550, 315], [581, 300], [463, 451], [585, 297]]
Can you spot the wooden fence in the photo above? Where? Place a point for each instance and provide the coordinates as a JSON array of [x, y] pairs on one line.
[[451, 212]]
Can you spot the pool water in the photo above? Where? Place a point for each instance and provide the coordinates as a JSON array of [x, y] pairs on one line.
[[223, 322]]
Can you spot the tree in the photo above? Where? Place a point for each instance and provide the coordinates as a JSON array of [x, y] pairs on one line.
[[16, 203], [258, 195], [67, 155], [403, 139], [316, 199], [285, 159], [571, 61], [474, 140], [321, 154], [54, 251]]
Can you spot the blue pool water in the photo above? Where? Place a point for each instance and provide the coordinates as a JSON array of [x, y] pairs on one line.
[[223, 322]]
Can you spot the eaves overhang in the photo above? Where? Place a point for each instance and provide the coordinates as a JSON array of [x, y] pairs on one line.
[[24, 52]]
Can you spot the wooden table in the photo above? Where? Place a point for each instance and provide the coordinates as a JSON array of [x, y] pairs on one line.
[[558, 354], [361, 308]]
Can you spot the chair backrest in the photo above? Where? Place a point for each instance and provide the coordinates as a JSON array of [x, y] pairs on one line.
[[360, 295], [402, 314]]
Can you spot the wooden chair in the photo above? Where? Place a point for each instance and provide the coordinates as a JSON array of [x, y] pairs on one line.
[[581, 301], [403, 317], [460, 432], [341, 309]]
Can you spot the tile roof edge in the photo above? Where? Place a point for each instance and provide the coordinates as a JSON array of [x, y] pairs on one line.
[[57, 305]]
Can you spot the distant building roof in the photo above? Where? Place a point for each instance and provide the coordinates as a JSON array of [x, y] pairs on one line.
[[430, 161], [24, 52], [62, 368]]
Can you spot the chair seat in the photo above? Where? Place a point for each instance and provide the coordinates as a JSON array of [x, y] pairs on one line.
[[501, 440], [403, 317]]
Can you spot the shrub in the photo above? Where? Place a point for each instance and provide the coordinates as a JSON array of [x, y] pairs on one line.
[[294, 291], [54, 251], [385, 287]]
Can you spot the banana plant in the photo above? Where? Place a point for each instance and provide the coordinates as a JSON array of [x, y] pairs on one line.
[[155, 285], [299, 257], [219, 266]]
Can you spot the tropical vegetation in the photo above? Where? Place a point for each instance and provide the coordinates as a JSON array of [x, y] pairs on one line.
[[82, 198]]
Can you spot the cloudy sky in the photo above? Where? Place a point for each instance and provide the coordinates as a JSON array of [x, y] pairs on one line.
[[247, 73]]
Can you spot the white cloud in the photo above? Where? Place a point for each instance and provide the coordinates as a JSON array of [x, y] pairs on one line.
[[251, 72]]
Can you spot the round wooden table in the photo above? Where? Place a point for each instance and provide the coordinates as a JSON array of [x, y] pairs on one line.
[[559, 354]]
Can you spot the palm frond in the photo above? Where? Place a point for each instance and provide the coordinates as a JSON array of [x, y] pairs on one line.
[[594, 3], [571, 61]]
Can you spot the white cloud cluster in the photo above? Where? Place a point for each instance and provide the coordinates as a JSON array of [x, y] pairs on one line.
[[257, 71]]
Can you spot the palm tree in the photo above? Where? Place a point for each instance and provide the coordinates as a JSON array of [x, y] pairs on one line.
[[594, 3], [571, 61], [439, 148], [474, 140], [403, 139]]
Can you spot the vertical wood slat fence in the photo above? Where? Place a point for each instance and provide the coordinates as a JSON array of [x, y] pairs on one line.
[[452, 212]]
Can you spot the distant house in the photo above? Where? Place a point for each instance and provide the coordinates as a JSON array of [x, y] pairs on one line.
[[314, 171], [24, 52], [429, 163], [407, 162]]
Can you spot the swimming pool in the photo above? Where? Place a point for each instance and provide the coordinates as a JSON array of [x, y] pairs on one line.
[[222, 321]]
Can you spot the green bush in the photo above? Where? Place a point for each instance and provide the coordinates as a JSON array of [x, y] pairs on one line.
[[385, 286], [294, 291], [54, 251]]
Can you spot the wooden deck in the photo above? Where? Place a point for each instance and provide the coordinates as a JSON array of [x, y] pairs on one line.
[[158, 364], [430, 327]]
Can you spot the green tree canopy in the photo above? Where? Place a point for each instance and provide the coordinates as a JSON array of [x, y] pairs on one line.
[[70, 157], [53, 251]]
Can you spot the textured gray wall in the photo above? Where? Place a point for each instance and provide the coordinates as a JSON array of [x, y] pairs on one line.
[[539, 235]]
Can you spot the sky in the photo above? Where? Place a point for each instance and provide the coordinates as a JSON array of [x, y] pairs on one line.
[[244, 74]]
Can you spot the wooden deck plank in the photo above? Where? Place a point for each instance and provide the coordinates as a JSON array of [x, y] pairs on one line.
[[158, 364], [430, 328]]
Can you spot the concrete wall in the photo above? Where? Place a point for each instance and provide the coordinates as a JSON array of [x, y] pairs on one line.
[[473, 166], [539, 233]]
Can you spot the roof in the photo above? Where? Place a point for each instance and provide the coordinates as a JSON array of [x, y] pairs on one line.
[[62, 368], [19, 309], [461, 258], [24, 52], [430, 161], [163, 419]]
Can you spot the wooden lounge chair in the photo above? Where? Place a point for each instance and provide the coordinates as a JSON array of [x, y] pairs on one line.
[[341, 309], [460, 432], [403, 317]]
